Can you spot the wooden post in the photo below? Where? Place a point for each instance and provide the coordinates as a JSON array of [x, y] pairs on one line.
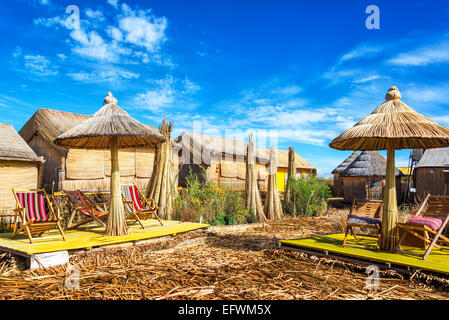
[[389, 235], [116, 225]]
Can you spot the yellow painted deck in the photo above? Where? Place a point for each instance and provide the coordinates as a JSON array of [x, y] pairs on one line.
[[438, 261], [93, 236]]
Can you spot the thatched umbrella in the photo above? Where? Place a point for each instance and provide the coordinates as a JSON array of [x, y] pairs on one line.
[[253, 200], [112, 128], [393, 125]]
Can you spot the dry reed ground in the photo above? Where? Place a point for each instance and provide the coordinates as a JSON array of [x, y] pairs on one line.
[[232, 264]]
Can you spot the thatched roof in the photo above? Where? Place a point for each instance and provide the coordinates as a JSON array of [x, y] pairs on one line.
[[202, 145], [434, 158], [109, 122], [342, 166], [368, 163], [282, 159], [393, 124], [49, 124], [13, 147]]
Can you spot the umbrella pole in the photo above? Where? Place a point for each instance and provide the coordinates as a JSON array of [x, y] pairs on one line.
[[389, 236], [116, 225]]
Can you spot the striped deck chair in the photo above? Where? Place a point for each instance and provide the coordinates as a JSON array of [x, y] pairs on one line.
[[136, 211], [364, 214], [31, 207], [86, 207], [431, 218]]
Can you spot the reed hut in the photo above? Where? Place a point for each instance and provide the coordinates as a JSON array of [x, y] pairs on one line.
[[432, 173], [364, 178], [69, 168], [224, 161], [338, 180], [303, 168], [20, 167]]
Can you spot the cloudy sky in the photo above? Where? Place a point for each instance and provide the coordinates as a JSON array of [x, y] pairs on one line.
[[303, 70]]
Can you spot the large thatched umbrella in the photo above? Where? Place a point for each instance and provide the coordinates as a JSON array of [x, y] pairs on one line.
[[391, 126], [111, 127]]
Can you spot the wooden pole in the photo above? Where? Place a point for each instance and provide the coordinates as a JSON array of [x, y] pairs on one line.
[[389, 235], [116, 225]]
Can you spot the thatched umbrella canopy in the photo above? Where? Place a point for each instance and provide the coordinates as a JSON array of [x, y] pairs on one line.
[[393, 125], [111, 127]]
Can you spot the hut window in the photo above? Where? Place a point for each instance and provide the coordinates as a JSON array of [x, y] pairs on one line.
[[431, 171]]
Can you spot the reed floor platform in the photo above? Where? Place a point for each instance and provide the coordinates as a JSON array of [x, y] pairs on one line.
[[93, 236], [438, 261]]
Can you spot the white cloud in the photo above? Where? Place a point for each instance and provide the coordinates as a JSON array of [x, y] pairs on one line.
[[94, 14], [423, 56], [103, 74], [113, 3], [167, 93], [132, 34], [39, 65], [360, 52]]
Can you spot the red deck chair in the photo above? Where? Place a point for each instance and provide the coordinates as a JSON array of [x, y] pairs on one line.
[[84, 205], [131, 199], [32, 210]]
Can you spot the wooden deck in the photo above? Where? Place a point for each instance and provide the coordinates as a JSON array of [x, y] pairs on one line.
[[93, 236], [438, 261]]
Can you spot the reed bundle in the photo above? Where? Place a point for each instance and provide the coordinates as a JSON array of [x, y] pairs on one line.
[[162, 186], [273, 207], [239, 264], [253, 200]]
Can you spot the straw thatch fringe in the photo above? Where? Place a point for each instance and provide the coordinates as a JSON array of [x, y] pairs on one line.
[[110, 121], [342, 166], [368, 163], [253, 200], [273, 207], [162, 187], [13, 147], [393, 125]]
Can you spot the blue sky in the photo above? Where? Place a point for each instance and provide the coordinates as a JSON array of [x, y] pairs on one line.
[[305, 70]]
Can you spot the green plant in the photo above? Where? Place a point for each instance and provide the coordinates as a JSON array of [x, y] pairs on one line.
[[202, 201], [310, 196]]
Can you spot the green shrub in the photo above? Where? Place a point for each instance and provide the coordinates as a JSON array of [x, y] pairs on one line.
[[309, 194], [201, 200]]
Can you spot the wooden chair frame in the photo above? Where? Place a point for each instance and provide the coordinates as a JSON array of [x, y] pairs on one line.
[[413, 229], [79, 207], [368, 209], [32, 227], [139, 215]]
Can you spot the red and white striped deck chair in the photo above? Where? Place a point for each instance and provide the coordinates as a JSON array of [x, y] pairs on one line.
[[84, 205], [131, 200], [31, 207]]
